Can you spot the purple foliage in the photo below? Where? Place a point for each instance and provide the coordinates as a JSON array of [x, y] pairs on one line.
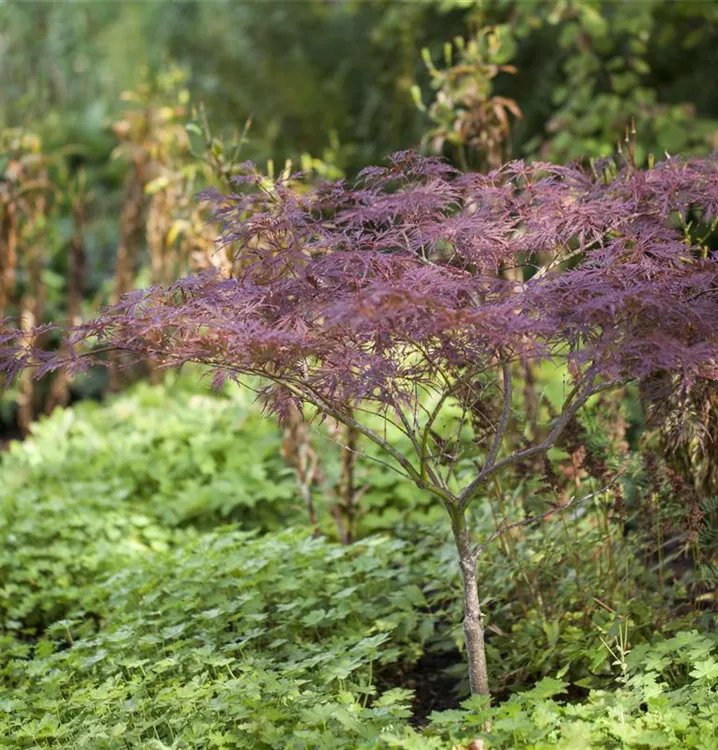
[[419, 272]]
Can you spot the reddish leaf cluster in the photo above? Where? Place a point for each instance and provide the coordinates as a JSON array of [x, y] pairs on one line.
[[418, 273]]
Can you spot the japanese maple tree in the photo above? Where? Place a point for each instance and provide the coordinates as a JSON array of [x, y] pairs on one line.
[[420, 288]]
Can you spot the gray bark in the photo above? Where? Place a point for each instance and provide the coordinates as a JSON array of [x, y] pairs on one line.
[[473, 617]]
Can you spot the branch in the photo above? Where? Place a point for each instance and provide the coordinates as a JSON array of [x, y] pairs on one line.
[[301, 390], [567, 414], [504, 422], [305, 391], [424, 448], [363, 454], [506, 527], [408, 429], [399, 427], [458, 452]]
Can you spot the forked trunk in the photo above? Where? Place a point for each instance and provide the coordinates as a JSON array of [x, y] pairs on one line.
[[473, 619]]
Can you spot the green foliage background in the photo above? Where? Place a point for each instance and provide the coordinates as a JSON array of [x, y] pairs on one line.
[[312, 73]]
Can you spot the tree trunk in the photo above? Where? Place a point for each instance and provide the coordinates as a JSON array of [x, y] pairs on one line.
[[473, 625]]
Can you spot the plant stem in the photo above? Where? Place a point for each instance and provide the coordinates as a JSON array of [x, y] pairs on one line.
[[473, 625]]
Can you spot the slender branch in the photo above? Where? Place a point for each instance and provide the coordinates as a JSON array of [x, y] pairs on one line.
[[457, 452], [559, 258], [423, 450], [314, 398], [567, 414], [409, 430], [399, 427], [363, 454], [505, 416], [504, 528], [434, 414]]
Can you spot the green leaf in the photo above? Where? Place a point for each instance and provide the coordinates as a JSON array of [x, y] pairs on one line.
[[705, 670]]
